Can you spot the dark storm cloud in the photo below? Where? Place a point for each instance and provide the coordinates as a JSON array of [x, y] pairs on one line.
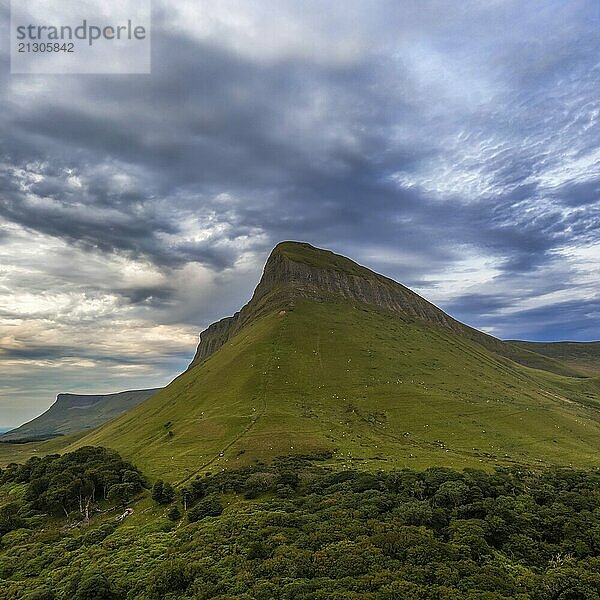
[[149, 295], [571, 321], [36, 352], [576, 194], [232, 131], [54, 353], [481, 304]]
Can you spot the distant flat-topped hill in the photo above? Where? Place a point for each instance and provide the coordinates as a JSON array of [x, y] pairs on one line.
[[76, 412], [329, 357]]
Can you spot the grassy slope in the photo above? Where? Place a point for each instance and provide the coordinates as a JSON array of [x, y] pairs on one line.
[[380, 392], [583, 356]]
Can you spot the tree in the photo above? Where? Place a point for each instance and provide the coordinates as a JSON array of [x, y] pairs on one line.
[[133, 477], [10, 519], [450, 494], [192, 493], [157, 489], [259, 483], [121, 493], [168, 493], [62, 484], [163, 492], [470, 536]]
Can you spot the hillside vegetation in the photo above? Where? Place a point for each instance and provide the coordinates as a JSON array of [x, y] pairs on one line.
[[293, 530]]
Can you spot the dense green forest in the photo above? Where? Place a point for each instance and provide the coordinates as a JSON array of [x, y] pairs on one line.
[[88, 526]]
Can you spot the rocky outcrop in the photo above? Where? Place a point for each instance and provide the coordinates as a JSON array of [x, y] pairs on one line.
[[212, 338], [354, 285]]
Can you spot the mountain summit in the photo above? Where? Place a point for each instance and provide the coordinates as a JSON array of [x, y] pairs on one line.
[[329, 358]]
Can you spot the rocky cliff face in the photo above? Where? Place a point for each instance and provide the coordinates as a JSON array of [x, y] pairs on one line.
[[213, 337], [348, 282]]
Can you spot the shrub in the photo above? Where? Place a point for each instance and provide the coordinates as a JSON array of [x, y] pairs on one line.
[[259, 483], [174, 576], [10, 519], [94, 586], [97, 535], [207, 507], [174, 514], [43, 593]]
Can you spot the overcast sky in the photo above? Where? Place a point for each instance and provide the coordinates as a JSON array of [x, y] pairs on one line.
[[452, 146]]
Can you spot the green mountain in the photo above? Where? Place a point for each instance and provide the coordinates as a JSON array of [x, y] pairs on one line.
[[330, 357], [296, 270], [76, 412], [581, 356]]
